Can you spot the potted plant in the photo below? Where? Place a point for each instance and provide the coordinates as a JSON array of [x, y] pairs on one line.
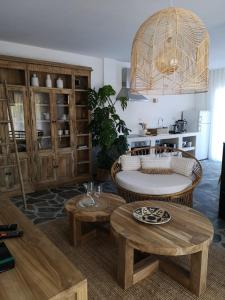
[[109, 132]]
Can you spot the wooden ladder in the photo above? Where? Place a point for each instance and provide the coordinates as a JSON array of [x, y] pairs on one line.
[[9, 102]]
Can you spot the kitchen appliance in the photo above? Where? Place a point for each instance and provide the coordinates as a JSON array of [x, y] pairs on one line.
[[125, 90], [180, 126], [174, 129], [199, 121]]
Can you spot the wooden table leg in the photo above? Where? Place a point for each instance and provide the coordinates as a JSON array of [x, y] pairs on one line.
[[75, 230], [198, 272], [125, 263]]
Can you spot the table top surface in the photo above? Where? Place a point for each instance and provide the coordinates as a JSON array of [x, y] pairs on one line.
[[106, 204], [187, 232], [42, 271]]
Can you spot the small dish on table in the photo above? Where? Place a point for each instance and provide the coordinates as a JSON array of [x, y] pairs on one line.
[[151, 215]]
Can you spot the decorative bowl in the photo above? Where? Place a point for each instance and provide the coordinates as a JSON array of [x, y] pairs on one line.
[[151, 215]]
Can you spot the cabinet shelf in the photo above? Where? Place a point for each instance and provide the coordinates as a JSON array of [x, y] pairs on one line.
[[44, 137], [81, 90], [83, 162], [46, 89], [83, 134], [14, 86], [63, 136], [43, 121], [19, 104], [61, 121], [82, 120], [39, 104], [83, 149]]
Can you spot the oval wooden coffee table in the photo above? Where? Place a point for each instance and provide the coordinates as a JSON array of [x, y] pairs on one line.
[[107, 203], [187, 233]]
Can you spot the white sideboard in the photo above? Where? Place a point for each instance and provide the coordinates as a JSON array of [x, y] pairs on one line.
[[185, 141]]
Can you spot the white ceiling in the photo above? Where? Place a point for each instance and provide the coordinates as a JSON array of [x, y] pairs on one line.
[[103, 28]]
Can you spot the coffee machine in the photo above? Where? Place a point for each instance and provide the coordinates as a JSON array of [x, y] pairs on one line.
[[180, 126]]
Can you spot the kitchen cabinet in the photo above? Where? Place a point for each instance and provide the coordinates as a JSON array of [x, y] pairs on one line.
[[184, 141]]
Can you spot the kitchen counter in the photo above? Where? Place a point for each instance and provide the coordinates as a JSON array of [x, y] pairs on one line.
[[132, 137], [178, 139]]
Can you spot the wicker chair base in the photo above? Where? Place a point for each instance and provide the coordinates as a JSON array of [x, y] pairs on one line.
[[185, 198]]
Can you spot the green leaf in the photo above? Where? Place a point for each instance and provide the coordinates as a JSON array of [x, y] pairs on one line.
[[106, 126], [123, 102]]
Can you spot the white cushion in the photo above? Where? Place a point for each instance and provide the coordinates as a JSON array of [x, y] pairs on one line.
[[149, 162], [138, 182], [130, 163], [182, 165]]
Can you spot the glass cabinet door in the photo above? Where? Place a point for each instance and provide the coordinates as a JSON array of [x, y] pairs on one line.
[[43, 120], [17, 110], [63, 122]]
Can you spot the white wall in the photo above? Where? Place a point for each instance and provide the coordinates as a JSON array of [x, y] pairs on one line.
[[108, 71], [168, 107]]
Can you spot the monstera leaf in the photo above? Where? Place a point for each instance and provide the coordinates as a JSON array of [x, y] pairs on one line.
[[106, 126]]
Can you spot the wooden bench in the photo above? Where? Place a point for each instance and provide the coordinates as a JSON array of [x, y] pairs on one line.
[[41, 271]]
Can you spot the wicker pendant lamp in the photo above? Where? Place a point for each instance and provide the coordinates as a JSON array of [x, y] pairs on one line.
[[170, 54]]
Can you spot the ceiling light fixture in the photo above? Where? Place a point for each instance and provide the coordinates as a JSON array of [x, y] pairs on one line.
[[170, 54]]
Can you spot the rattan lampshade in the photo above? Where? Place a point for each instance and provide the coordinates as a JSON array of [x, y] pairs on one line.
[[170, 54]]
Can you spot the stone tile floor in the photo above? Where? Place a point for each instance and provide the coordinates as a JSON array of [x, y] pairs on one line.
[[48, 204]]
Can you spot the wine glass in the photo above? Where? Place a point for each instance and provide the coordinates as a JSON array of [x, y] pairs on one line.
[[89, 192], [98, 190]]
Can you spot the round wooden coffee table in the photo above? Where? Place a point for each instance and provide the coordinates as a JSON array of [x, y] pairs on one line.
[[187, 233], [106, 204]]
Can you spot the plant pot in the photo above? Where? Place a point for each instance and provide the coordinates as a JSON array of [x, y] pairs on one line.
[[103, 175]]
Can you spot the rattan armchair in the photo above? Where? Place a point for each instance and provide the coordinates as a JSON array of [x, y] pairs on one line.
[[183, 197]]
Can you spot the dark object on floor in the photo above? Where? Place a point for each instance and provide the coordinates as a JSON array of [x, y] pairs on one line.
[[222, 188], [10, 234], [7, 261], [8, 227]]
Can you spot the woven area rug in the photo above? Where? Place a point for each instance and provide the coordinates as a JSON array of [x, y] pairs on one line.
[[97, 258]]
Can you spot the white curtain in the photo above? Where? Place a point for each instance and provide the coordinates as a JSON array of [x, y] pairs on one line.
[[217, 106]]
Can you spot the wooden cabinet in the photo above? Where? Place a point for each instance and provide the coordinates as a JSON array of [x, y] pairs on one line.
[[65, 165], [51, 124]]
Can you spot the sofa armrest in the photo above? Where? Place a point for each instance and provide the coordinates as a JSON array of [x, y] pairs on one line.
[[116, 167]]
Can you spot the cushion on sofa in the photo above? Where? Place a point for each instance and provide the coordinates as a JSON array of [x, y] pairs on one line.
[[182, 165], [130, 163], [149, 162], [138, 182], [156, 171]]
